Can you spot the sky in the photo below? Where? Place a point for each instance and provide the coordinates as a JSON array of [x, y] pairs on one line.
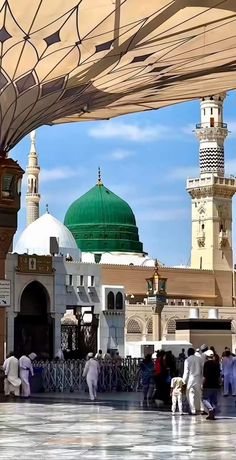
[[144, 158]]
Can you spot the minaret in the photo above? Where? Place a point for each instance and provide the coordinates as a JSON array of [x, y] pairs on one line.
[[32, 196], [212, 192]]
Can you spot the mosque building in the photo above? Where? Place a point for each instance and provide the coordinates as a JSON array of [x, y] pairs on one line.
[[83, 284]]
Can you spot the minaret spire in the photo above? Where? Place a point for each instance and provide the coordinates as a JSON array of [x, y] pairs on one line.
[[212, 192], [33, 170]]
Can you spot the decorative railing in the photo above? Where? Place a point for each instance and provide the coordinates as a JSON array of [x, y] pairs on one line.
[[208, 124], [67, 376]]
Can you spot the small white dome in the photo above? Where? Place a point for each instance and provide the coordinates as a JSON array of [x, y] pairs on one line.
[[35, 239]]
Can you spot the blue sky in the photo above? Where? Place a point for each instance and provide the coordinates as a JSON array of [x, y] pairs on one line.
[[145, 158]]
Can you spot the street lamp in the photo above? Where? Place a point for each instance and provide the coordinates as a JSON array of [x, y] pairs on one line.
[[157, 296], [10, 190]]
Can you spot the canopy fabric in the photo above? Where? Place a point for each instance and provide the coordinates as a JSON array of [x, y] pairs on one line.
[[70, 60]]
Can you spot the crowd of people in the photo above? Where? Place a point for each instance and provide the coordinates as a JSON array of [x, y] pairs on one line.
[[17, 374], [196, 389]]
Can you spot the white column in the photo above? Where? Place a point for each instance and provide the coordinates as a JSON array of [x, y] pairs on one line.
[[10, 317], [56, 331]]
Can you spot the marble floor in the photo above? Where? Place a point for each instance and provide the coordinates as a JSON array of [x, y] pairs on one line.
[[111, 430]]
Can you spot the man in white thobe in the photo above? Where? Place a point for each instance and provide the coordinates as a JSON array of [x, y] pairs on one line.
[[26, 368], [201, 353], [12, 381], [91, 372], [193, 379], [227, 371]]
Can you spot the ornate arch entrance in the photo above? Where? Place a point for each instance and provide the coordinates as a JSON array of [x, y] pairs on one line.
[[33, 325]]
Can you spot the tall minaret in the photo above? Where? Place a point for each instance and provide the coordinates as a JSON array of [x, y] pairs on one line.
[[32, 196], [212, 192]]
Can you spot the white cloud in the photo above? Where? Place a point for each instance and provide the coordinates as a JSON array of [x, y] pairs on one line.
[[184, 172], [163, 215], [57, 174], [119, 155], [137, 133], [128, 132]]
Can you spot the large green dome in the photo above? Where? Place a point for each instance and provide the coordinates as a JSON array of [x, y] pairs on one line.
[[100, 221]]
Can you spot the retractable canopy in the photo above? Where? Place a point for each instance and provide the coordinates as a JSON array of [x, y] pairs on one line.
[[73, 60]]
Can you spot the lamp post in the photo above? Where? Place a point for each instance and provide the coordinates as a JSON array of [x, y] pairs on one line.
[[157, 295], [10, 190]]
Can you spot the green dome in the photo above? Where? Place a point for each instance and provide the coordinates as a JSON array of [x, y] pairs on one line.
[[100, 221]]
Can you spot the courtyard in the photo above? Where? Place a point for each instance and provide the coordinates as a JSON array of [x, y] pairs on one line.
[[115, 427]]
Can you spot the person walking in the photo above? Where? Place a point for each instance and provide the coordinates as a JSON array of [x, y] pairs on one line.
[[227, 371], [12, 381], [99, 355], [192, 377], [160, 376], [26, 369], [176, 393], [210, 384], [147, 370], [91, 372]]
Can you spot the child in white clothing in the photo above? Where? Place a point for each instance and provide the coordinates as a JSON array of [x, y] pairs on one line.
[[176, 391]]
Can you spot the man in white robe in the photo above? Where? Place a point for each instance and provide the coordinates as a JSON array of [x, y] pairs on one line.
[[91, 372], [12, 381], [193, 379], [227, 372], [26, 369]]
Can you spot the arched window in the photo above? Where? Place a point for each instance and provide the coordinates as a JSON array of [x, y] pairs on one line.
[[171, 326], [133, 327], [111, 301], [150, 326], [119, 301]]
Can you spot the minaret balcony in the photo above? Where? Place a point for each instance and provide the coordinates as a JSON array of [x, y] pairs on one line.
[[211, 132], [208, 124], [211, 185], [32, 197]]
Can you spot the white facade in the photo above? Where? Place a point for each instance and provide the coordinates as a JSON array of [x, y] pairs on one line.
[[212, 193], [112, 320], [32, 195], [72, 286], [119, 258]]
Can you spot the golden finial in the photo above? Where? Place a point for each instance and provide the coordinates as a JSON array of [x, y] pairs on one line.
[[99, 176]]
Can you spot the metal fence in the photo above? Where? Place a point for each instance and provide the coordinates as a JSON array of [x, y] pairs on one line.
[[67, 376]]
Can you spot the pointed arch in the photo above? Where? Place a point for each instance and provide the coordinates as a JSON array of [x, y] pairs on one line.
[[119, 301], [149, 326], [110, 300], [134, 326]]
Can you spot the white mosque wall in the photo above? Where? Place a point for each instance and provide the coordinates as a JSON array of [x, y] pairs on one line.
[[112, 321], [112, 332], [70, 285], [119, 258]]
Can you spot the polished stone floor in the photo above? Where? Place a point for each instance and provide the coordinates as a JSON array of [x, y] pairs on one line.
[[67, 429]]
